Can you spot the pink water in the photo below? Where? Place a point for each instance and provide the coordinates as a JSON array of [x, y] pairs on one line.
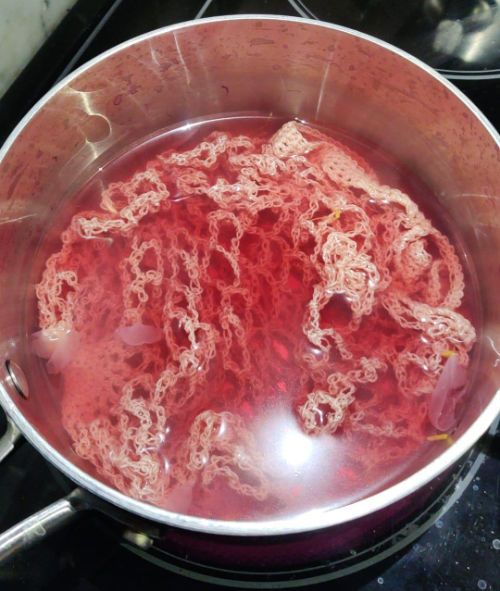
[[246, 319]]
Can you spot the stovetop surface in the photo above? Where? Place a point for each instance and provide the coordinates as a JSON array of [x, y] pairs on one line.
[[457, 543]]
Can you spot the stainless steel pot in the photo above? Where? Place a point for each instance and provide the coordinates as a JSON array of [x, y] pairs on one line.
[[271, 65]]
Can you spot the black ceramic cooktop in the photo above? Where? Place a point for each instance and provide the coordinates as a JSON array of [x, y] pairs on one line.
[[453, 544]]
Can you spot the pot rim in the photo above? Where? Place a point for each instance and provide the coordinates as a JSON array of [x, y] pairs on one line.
[[310, 520]]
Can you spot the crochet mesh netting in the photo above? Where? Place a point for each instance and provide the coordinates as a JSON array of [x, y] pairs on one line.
[[246, 273]]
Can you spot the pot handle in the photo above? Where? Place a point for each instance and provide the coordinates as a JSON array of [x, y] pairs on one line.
[[9, 439], [34, 528]]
